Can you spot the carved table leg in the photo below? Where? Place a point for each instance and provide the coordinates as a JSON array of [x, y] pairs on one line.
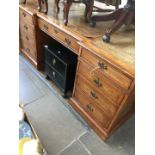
[[89, 9], [24, 2], [67, 5], [46, 6], [57, 5], [126, 17], [39, 5]]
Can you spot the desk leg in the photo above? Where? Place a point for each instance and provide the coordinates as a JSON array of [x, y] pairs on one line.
[[67, 5]]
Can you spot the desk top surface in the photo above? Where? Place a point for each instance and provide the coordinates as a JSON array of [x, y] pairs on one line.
[[121, 49]]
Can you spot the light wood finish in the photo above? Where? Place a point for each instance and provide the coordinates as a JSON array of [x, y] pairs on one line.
[[108, 70], [99, 99], [101, 84], [104, 84], [59, 35]]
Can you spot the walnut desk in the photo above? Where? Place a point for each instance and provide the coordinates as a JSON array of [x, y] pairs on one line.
[[105, 80]]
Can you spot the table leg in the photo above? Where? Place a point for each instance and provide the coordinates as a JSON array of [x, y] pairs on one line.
[[89, 9], [39, 5], [67, 5], [57, 5]]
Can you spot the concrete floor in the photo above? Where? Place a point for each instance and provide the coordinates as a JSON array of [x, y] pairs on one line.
[[61, 130]]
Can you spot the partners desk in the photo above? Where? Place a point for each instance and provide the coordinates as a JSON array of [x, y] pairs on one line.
[[104, 85]]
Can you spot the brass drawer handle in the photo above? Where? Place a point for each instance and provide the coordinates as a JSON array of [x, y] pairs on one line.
[[25, 27], [46, 27], [56, 31], [97, 82], [67, 41], [53, 73], [24, 14], [27, 38], [90, 108], [53, 61], [102, 65], [93, 94], [27, 49]]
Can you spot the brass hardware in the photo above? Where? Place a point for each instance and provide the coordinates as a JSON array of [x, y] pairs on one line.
[[53, 73], [53, 61], [97, 82], [56, 31], [27, 38], [24, 14], [27, 49], [25, 27], [102, 65], [93, 94], [46, 27], [67, 41], [90, 108]]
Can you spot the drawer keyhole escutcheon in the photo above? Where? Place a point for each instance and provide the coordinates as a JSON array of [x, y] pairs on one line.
[[67, 41], [46, 27], [93, 94], [26, 28], [90, 108], [27, 38], [24, 14], [55, 31], [98, 82], [53, 61], [102, 65]]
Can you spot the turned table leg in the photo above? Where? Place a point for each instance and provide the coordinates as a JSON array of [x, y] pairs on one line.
[[39, 5], [89, 9], [46, 6], [57, 5], [67, 5], [24, 2]]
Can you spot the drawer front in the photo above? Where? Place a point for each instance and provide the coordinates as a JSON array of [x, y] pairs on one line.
[[27, 28], [55, 63], [97, 98], [26, 17], [55, 77], [100, 83], [31, 52], [29, 43], [65, 39], [106, 69], [91, 109]]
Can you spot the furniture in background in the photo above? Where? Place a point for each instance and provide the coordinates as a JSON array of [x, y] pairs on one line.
[[104, 84], [28, 139], [68, 3], [121, 16], [40, 2], [60, 66]]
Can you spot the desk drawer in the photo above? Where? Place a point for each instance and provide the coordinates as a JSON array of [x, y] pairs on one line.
[[26, 17], [29, 50], [64, 38], [106, 69], [91, 109], [28, 39], [97, 98], [101, 83], [26, 28]]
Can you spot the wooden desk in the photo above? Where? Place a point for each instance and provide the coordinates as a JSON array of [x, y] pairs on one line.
[[104, 87]]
